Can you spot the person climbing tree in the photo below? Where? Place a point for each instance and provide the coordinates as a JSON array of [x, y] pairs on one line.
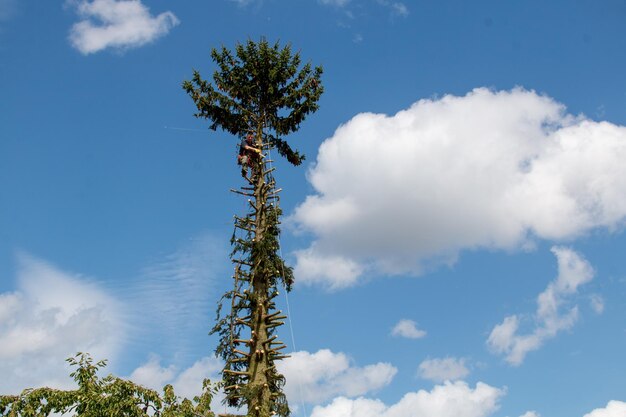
[[260, 93], [248, 154]]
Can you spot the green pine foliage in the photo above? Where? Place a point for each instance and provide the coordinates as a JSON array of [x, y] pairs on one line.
[[259, 85]]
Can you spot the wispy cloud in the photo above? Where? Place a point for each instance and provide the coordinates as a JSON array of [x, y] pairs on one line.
[[408, 329], [336, 3], [172, 300], [53, 313], [243, 3], [118, 24], [550, 318], [597, 303], [50, 316], [396, 7], [444, 369], [8, 9]]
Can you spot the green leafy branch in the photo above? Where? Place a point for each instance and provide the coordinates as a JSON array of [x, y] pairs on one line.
[[105, 397]]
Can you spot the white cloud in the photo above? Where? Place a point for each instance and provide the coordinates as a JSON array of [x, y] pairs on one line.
[[120, 24], [317, 377], [452, 399], [52, 315], [397, 194], [311, 377], [530, 414], [400, 8], [337, 3], [549, 317], [612, 409], [333, 271], [243, 3], [172, 299], [186, 382], [446, 369], [151, 374], [189, 382], [407, 328], [397, 8], [597, 303], [7, 9]]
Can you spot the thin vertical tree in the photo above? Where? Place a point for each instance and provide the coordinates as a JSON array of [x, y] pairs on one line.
[[260, 93]]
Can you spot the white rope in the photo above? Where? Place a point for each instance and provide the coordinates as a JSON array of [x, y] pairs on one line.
[[280, 252]]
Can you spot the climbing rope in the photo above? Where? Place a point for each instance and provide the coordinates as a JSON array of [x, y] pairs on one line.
[[270, 179], [280, 252]]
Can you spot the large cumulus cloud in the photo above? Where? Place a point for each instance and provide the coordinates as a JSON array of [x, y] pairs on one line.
[[612, 409], [452, 399], [491, 169], [317, 377]]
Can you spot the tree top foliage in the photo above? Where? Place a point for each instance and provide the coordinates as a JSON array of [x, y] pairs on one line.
[[104, 397], [260, 88]]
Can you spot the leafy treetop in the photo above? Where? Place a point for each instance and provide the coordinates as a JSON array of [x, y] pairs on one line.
[[104, 397], [259, 88]]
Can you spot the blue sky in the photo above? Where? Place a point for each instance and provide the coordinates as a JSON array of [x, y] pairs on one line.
[[456, 230]]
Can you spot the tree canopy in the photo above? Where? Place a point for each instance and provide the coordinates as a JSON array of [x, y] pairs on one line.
[[259, 86], [105, 397]]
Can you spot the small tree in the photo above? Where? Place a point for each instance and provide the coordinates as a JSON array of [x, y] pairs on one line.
[[260, 93]]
